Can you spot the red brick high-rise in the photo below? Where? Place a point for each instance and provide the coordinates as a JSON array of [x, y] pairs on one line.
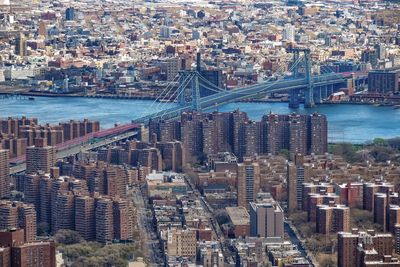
[[85, 217], [349, 244], [64, 212], [4, 174], [74, 129], [238, 118], [380, 209], [276, 130], [122, 222], [192, 134], [249, 139], [173, 155], [297, 135], [297, 174], [40, 157], [18, 215], [104, 220], [369, 190], [318, 134], [22, 254], [45, 186], [149, 157], [32, 189], [332, 219], [116, 181]]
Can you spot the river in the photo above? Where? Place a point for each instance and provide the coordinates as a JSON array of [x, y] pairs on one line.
[[347, 123]]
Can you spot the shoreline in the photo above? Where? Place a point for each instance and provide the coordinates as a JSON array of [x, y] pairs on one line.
[[119, 110], [42, 94], [121, 97]]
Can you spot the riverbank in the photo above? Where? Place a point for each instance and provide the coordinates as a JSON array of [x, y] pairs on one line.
[[55, 95], [130, 97], [352, 123]]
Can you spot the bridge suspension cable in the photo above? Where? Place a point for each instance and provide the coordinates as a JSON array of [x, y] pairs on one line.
[[162, 112], [327, 69], [163, 93], [203, 79], [237, 92], [185, 83]]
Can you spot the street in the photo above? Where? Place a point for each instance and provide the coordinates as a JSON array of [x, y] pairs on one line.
[[148, 236]]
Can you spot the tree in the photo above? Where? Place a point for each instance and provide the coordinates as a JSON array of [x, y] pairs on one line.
[[380, 142], [68, 237], [347, 151], [363, 219], [95, 254], [284, 153], [381, 153]]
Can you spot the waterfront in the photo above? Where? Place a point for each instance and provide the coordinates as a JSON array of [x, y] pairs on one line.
[[349, 123]]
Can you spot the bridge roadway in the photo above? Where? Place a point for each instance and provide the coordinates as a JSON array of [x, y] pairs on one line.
[[79, 147], [225, 97]]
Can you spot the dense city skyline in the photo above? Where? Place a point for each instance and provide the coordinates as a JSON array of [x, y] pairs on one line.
[[200, 133]]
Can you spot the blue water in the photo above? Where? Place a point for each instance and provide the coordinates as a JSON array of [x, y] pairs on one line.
[[350, 123]]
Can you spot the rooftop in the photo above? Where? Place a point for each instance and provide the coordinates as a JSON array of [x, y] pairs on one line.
[[238, 215]]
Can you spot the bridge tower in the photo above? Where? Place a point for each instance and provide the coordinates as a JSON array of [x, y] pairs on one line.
[[309, 93], [294, 94], [306, 64], [189, 89], [195, 89]]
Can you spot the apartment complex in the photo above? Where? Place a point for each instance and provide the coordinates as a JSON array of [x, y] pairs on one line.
[[233, 131], [357, 249]]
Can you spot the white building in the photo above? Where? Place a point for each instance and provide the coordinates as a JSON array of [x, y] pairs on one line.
[[288, 33]]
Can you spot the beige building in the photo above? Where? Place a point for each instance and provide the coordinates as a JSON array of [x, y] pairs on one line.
[[266, 218], [181, 242]]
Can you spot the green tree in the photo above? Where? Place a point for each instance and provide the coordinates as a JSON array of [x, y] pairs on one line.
[[347, 151], [380, 142], [284, 153]]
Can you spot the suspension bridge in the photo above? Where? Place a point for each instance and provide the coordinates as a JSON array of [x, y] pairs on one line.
[[192, 91]]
